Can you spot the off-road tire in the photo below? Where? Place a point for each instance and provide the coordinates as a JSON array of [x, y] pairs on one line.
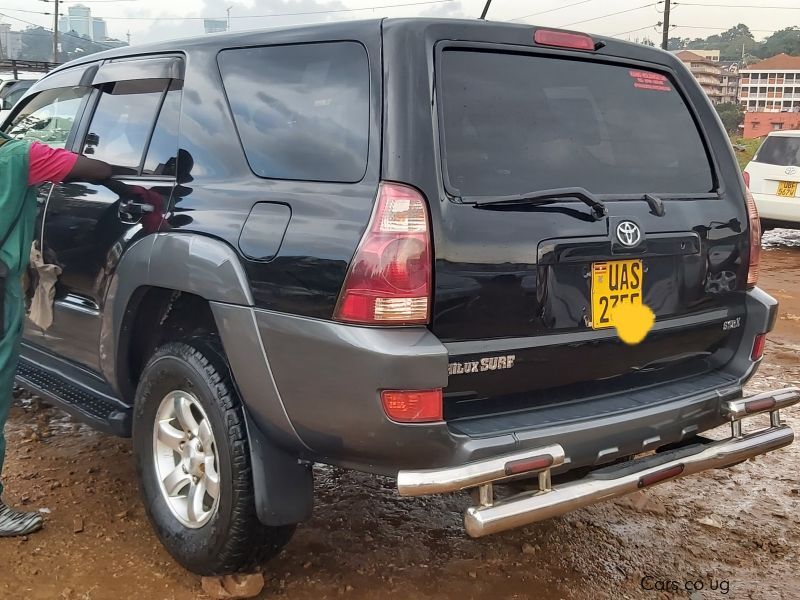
[[233, 539]]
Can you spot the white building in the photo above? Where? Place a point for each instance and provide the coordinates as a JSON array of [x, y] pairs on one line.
[[772, 85], [10, 42], [80, 21]]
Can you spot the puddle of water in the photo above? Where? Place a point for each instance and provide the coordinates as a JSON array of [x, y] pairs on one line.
[[781, 238]]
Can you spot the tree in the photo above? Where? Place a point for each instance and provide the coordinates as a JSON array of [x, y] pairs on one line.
[[731, 115], [786, 40]]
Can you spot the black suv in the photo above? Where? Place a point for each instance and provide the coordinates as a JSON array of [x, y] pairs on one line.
[[397, 246]]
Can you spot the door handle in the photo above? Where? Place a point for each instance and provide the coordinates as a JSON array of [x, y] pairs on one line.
[[131, 212]]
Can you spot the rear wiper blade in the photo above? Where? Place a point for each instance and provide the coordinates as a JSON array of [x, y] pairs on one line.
[[656, 204], [599, 209]]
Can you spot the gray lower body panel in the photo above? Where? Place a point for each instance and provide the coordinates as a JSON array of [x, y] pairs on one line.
[[322, 382]]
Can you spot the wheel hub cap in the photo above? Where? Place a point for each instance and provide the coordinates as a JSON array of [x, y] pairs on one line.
[[186, 461]]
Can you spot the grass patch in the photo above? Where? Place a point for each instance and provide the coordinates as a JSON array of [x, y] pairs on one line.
[[750, 147]]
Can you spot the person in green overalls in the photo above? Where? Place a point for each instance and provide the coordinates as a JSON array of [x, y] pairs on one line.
[[23, 166]]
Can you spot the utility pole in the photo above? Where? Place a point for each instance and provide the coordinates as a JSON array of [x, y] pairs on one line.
[[55, 33], [665, 31], [228, 10]]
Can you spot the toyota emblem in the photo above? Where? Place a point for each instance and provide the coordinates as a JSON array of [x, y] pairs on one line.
[[628, 233], [791, 170]]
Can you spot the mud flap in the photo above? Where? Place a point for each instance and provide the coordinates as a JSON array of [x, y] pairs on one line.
[[284, 486]]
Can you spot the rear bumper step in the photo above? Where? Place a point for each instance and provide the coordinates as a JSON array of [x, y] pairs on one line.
[[549, 501]]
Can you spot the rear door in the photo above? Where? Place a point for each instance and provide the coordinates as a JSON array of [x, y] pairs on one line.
[[131, 123], [525, 291], [775, 169]]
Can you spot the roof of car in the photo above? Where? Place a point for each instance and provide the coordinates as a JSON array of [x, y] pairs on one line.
[[785, 133]]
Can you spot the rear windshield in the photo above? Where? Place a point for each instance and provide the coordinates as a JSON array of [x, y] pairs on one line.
[[516, 123], [779, 150]]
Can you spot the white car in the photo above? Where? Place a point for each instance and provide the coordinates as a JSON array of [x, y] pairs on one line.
[[773, 177], [10, 92]]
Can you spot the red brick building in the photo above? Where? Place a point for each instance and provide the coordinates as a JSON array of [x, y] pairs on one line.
[[758, 124]]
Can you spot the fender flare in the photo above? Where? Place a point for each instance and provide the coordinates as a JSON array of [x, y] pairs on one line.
[[211, 269], [186, 262]]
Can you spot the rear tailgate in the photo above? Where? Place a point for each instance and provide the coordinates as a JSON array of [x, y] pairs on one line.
[[775, 169], [523, 291]]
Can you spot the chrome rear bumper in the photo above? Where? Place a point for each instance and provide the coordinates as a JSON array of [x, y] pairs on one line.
[[491, 516]]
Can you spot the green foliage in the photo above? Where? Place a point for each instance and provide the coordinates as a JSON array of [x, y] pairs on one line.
[[745, 149], [739, 41], [786, 40], [731, 115]]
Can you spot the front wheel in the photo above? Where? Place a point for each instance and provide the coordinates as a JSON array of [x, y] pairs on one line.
[[193, 462]]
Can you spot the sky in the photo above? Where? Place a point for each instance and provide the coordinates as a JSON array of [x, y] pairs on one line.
[[155, 20]]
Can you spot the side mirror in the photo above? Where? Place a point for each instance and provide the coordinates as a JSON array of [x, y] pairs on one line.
[[7, 104]]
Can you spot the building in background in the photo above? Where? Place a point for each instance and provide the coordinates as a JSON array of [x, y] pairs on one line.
[[758, 124], [99, 30], [730, 81], [712, 55], [79, 20], [707, 72], [10, 43], [772, 85], [215, 25]]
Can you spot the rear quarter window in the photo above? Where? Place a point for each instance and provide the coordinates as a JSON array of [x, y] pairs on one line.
[[519, 123], [302, 111], [781, 150]]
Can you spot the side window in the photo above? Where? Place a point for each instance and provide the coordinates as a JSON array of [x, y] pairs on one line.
[[49, 116], [163, 151], [302, 111], [122, 123]]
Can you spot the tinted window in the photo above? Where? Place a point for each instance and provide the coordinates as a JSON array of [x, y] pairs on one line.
[[163, 151], [49, 116], [122, 123], [779, 150], [516, 123], [302, 111]]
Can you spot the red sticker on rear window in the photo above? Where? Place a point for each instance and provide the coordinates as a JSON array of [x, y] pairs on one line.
[[647, 80]]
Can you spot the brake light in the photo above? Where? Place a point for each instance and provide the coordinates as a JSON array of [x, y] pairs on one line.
[[413, 406], [389, 281], [755, 240], [563, 39], [758, 347], [746, 176]]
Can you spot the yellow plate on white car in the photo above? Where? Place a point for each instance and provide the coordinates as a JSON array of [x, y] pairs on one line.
[[614, 282], [787, 189]]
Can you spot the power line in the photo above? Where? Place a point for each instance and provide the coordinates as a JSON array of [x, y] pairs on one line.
[[544, 12], [737, 6], [620, 12], [293, 14], [635, 30], [719, 28]]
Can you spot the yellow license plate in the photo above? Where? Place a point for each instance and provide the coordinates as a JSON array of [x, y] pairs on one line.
[[787, 189], [614, 282]]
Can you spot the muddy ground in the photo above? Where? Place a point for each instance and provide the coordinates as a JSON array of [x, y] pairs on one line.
[[735, 533]]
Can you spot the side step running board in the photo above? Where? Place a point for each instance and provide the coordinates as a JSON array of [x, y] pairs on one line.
[[611, 482], [103, 412]]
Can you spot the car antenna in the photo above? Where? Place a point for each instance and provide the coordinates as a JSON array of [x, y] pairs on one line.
[[485, 9]]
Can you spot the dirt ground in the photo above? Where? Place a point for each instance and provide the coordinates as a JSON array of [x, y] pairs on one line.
[[733, 533]]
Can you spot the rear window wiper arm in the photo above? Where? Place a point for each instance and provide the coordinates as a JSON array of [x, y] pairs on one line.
[[599, 210]]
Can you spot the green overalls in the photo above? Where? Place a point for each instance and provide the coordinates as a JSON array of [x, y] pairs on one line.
[[16, 198]]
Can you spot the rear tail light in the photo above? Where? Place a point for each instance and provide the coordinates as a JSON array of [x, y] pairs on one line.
[[755, 240], [389, 281], [413, 406], [758, 347], [746, 176], [563, 39]]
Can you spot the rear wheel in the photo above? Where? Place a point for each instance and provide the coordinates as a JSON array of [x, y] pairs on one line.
[[193, 462]]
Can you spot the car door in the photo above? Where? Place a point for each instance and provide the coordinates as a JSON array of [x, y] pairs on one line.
[[50, 115], [131, 123]]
